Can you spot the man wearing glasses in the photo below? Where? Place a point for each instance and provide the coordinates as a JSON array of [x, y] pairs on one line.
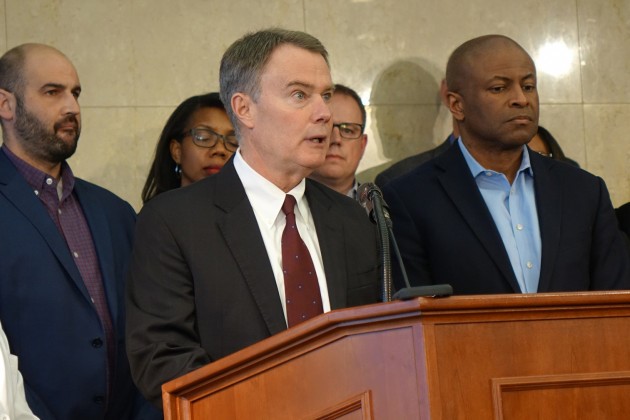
[[347, 142]]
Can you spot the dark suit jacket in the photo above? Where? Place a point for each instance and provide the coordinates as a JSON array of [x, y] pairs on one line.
[[201, 285], [447, 235], [410, 163], [623, 217], [45, 309]]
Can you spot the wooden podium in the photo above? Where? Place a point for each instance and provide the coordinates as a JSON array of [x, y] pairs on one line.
[[539, 356]]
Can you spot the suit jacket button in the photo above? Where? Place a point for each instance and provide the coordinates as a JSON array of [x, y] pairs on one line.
[[97, 343], [99, 399]]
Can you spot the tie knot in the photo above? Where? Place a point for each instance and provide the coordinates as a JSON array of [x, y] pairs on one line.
[[289, 204]]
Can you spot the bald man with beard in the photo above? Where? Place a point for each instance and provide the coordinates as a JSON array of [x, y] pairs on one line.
[[64, 250]]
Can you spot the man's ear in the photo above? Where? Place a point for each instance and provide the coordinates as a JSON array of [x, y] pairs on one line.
[[244, 109], [455, 105], [363, 140], [175, 148], [7, 105]]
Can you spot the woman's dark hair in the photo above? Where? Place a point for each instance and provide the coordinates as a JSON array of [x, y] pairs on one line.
[[162, 175], [554, 146]]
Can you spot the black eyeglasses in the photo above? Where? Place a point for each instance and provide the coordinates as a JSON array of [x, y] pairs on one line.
[[350, 131], [205, 137]]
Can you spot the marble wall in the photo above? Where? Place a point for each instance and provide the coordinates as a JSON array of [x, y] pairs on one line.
[[137, 59]]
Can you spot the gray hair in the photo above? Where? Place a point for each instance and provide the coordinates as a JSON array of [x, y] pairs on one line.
[[243, 62]]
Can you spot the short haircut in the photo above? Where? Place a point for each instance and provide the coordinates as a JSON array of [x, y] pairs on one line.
[[12, 70], [243, 62], [345, 90], [460, 59]]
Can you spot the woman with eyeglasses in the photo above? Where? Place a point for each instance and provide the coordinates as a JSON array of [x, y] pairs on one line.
[[196, 141]]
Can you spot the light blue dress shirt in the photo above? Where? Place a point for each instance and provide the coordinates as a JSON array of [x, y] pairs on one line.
[[513, 209]]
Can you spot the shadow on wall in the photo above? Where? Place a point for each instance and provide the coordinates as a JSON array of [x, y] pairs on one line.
[[404, 105]]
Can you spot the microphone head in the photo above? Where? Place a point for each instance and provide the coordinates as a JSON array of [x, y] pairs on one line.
[[365, 194]]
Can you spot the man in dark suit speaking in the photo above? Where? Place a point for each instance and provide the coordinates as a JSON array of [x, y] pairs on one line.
[[212, 271], [489, 216]]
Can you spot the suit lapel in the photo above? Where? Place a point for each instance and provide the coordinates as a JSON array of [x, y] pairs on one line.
[[549, 207], [101, 237], [242, 235], [17, 191], [462, 189], [331, 243]]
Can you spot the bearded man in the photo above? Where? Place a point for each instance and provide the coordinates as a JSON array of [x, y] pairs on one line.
[[64, 250]]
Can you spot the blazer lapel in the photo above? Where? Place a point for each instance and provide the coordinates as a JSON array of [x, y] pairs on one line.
[[242, 235], [462, 189], [549, 207], [16, 190], [101, 237], [331, 243]]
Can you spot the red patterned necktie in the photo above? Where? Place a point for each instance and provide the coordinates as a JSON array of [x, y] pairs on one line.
[[301, 288]]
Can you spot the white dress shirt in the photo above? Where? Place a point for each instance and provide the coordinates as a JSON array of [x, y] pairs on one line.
[[13, 404], [266, 200]]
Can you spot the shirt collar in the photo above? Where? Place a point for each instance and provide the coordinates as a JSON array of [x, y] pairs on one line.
[[264, 196], [352, 193], [476, 168], [36, 178]]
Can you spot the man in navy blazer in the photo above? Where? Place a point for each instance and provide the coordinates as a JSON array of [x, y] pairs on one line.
[[207, 272], [489, 216], [64, 250]]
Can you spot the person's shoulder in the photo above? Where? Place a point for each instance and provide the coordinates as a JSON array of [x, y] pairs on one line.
[[575, 183], [176, 194], [414, 178], [345, 204], [406, 165], [183, 202], [568, 171], [623, 214], [317, 188], [104, 196]]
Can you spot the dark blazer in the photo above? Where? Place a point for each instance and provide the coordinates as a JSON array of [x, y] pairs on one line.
[[623, 217], [45, 309], [201, 285], [411, 162], [447, 235]]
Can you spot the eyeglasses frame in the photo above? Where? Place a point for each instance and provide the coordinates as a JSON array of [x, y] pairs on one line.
[[192, 134], [339, 126]]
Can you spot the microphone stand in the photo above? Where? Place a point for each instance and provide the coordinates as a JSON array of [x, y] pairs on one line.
[[371, 199], [384, 224]]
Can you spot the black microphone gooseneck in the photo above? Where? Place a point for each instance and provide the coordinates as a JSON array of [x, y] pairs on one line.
[[371, 199]]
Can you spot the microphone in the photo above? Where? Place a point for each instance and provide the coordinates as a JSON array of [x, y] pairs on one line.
[[371, 198], [368, 193]]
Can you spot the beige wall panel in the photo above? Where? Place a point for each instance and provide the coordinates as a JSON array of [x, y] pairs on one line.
[[397, 131], [138, 59], [368, 39], [605, 41], [566, 124], [607, 147], [117, 147], [145, 52], [3, 28]]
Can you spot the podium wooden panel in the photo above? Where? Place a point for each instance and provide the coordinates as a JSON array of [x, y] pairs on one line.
[[542, 356]]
